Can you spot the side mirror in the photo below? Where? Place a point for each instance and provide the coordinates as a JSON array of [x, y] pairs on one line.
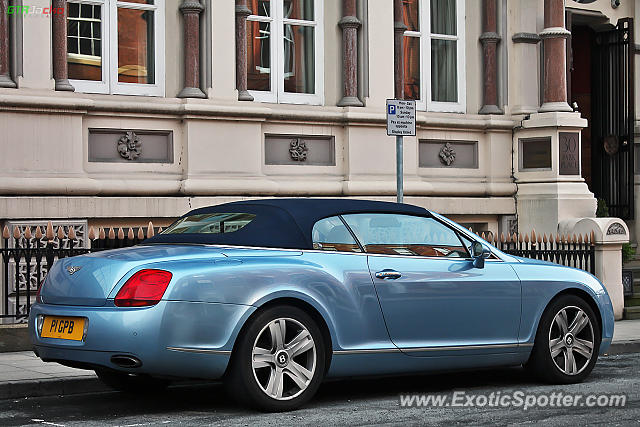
[[479, 254]]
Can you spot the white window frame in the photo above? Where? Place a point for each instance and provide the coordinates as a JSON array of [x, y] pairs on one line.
[[110, 83], [425, 102], [277, 22]]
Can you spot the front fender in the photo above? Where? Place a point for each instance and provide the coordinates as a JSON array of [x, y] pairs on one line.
[[542, 283]]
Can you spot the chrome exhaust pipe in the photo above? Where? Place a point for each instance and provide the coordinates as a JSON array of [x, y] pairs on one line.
[[126, 361]]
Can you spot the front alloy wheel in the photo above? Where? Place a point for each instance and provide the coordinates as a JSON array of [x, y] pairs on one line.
[[279, 360], [571, 340], [567, 342]]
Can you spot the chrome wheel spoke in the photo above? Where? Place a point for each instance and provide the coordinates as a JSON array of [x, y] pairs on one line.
[[561, 320], [583, 347], [300, 375], [581, 320], [276, 384], [555, 346], [569, 362], [301, 343], [278, 330], [262, 358]]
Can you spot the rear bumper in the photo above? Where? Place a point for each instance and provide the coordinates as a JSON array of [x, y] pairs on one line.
[[173, 338]]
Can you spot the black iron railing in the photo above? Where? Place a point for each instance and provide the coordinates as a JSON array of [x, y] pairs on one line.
[[26, 255]]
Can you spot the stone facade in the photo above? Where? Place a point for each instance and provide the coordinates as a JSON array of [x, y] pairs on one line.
[[218, 132]]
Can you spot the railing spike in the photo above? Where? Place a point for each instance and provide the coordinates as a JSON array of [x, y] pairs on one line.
[[112, 234], [514, 237], [101, 234], [130, 234], [150, 231], [120, 234], [160, 230], [92, 233], [482, 236], [579, 240], [49, 233], [502, 237], [557, 238], [495, 238], [27, 233], [572, 238], [586, 238], [72, 233], [16, 232], [526, 238], [544, 238], [533, 235], [5, 232], [140, 233], [38, 232], [592, 237], [520, 239], [61, 234]]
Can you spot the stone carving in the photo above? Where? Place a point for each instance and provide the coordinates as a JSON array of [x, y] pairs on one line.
[[298, 150], [447, 154], [129, 146], [616, 228]]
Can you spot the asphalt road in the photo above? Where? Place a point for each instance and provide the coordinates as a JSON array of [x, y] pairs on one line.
[[355, 402]]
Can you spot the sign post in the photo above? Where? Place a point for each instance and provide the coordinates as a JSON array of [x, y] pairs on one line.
[[401, 121]]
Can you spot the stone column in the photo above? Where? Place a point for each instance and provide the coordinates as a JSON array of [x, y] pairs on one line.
[[191, 10], [350, 24], [490, 39], [609, 234], [59, 29], [242, 11], [5, 73], [555, 57], [398, 55]]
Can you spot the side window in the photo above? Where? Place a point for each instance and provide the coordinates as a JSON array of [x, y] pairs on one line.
[[330, 234], [405, 235]]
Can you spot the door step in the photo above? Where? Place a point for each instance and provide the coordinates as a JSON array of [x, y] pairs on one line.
[[631, 313]]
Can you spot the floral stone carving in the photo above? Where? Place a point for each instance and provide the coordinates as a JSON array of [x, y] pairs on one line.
[[129, 146]]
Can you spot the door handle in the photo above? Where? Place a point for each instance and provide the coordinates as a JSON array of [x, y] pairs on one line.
[[388, 274]]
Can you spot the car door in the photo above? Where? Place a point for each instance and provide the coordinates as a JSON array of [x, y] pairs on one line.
[[433, 298]]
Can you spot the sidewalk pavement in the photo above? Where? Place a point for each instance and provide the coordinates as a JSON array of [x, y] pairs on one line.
[[24, 375]]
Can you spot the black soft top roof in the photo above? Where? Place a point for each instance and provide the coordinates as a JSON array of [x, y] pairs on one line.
[[281, 223]]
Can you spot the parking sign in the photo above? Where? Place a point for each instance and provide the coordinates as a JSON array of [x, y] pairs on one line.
[[401, 117]]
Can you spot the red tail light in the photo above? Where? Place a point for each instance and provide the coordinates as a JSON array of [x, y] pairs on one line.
[[144, 288]]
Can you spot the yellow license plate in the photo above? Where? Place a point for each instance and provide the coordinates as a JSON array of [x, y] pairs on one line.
[[66, 328]]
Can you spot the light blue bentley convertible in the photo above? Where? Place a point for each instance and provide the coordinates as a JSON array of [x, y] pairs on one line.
[[272, 296]]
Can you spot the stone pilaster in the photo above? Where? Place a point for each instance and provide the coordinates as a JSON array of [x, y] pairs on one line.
[[5, 73], [399, 28], [490, 39], [242, 11], [555, 57], [59, 29], [350, 24], [191, 10]]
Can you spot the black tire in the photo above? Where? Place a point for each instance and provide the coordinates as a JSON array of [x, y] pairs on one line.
[[131, 383], [248, 387], [560, 369]]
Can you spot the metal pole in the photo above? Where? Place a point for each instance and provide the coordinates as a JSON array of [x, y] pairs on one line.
[[399, 169]]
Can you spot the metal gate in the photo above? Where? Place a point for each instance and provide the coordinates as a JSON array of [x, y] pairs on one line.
[[613, 118]]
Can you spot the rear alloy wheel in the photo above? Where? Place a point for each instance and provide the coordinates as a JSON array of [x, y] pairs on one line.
[[279, 363], [567, 343], [131, 383]]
